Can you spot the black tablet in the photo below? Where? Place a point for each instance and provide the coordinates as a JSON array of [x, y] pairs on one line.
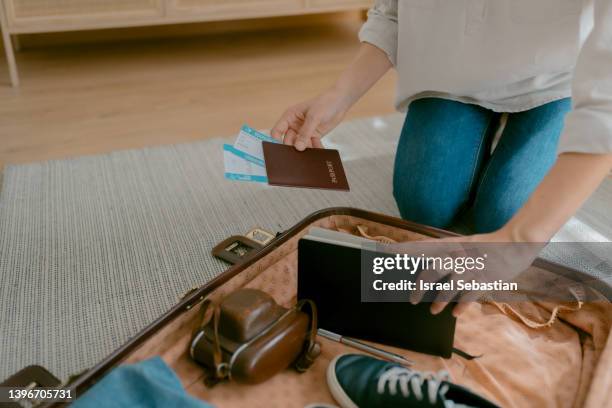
[[329, 274]]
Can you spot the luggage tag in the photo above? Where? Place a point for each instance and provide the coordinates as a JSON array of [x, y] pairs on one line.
[[260, 235], [30, 378], [238, 248]]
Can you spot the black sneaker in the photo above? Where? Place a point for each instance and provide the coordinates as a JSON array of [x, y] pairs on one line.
[[359, 381]]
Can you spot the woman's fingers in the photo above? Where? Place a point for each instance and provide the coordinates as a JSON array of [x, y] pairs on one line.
[[282, 125], [290, 137], [290, 119], [295, 130], [442, 299], [460, 308], [288, 130], [437, 307], [307, 132], [462, 299], [316, 142], [429, 276]]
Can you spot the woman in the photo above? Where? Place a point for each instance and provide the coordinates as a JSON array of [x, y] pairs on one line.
[[466, 71]]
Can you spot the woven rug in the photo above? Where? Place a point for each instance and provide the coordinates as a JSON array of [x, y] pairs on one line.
[[95, 248], [92, 249]]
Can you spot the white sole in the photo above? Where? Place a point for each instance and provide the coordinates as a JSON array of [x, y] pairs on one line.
[[334, 386]]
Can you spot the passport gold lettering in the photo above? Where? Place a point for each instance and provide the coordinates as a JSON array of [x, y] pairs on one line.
[[332, 173]]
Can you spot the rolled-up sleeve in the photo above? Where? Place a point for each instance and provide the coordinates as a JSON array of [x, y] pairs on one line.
[[380, 29], [588, 127]]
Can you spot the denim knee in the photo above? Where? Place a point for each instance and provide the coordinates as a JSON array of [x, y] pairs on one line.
[[419, 203], [493, 217]]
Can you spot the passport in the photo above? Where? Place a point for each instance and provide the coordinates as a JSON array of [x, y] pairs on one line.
[[311, 168]]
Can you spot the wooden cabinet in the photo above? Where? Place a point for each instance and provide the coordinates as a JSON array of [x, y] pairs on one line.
[[234, 8], [35, 16], [39, 16], [322, 4], [28, 16], [213, 9], [24, 9]]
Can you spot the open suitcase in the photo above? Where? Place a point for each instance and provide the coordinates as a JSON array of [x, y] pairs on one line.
[[567, 364]]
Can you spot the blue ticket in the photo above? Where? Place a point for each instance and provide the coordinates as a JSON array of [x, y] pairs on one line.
[[249, 145], [238, 168]]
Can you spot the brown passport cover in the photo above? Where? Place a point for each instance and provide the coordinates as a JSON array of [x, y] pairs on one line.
[[313, 168]]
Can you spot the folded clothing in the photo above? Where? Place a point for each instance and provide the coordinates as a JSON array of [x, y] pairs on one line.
[[149, 383]]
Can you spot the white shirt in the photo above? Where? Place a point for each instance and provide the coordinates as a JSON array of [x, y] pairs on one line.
[[504, 55]]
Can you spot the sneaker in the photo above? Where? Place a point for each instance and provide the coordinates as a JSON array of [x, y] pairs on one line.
[[359, 381]]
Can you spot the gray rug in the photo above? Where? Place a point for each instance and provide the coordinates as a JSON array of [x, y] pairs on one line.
[[94, 248]]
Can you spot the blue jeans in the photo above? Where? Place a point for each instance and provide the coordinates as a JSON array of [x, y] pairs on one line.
[[147, 384], [446, 176]]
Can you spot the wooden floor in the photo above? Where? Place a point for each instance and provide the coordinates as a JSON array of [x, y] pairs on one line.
[[87, 99]]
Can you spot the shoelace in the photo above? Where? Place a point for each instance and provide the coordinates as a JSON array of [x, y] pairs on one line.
[[412, 381]]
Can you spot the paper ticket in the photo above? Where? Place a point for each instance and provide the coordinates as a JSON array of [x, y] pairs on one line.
[[248, 145], [237, 168]]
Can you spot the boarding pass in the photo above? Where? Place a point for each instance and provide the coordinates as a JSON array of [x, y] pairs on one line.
[[237, 168], [249, 145]]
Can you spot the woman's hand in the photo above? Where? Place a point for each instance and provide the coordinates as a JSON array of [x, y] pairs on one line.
[[504, 259], [303, 125]]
